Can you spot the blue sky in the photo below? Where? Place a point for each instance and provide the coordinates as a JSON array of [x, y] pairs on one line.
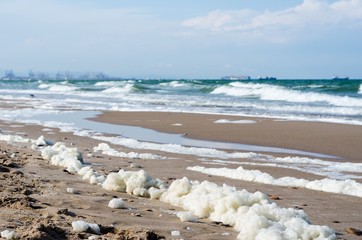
[[183, 39]]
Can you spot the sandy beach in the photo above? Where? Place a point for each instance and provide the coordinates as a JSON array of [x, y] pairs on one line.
[[36, 205]]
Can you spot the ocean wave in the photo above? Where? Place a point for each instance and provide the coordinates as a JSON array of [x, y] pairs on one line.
[[360, 89], [112, 83], [62, 87], [128, 88], [43, 85], [278, 93], [174, 84]]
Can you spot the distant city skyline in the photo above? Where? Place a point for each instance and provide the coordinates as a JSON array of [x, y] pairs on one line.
[[10, 74], [183, 39]]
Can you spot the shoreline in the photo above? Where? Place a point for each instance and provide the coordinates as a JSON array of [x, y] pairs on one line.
[[325, 138], [335, 210]]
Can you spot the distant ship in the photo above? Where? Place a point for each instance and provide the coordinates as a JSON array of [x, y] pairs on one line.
[[340, 78], [236, 77], [267, 78]]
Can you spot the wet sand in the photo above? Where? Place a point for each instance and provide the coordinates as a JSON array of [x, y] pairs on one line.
[[35, 201], [327, 138]]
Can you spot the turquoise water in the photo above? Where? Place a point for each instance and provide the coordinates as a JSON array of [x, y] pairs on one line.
[[314, 100]]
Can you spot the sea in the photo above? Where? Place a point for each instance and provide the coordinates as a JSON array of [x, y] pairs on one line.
[[66, 105], [337, 101]]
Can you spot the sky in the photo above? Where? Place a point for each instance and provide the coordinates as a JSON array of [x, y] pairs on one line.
[[183, 39]]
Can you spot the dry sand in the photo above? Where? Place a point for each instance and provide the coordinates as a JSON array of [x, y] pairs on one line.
[[35, 204]]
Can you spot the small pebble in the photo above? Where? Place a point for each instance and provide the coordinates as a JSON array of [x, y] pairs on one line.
[[136, 214], [133, 165], [354, 231], [72, 191], [175, 233], [274, 197]]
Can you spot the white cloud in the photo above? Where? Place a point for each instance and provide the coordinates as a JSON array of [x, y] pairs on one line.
[[219, 20], [307, 14]]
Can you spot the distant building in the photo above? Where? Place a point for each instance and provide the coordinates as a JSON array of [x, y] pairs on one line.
[[9, 75], [31, 74]]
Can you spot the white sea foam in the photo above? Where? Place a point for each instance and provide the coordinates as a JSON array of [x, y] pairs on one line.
[[60, 155], [106, 149], [119, 90], [174, 84], [117, 203], [235, 121], [10, 139], [135, 183], [332, 169], [44, 85], [252, 214], [347, 187], [186, 217], [113, 83], [61, 88], [8, 234], [277, 93], [173, 148], [82, 226]]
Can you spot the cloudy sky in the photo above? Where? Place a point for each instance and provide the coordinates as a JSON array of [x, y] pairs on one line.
[[183, 39]]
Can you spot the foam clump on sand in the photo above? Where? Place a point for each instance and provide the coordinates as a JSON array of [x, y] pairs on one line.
[[82, 226], [252, 214], [106, 149], [7, 234], [41, 141], [117, 203], [72, 160], [347, 187], [91, 175], [134, 183], [60, 155], [10, 139], [186, 217]]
